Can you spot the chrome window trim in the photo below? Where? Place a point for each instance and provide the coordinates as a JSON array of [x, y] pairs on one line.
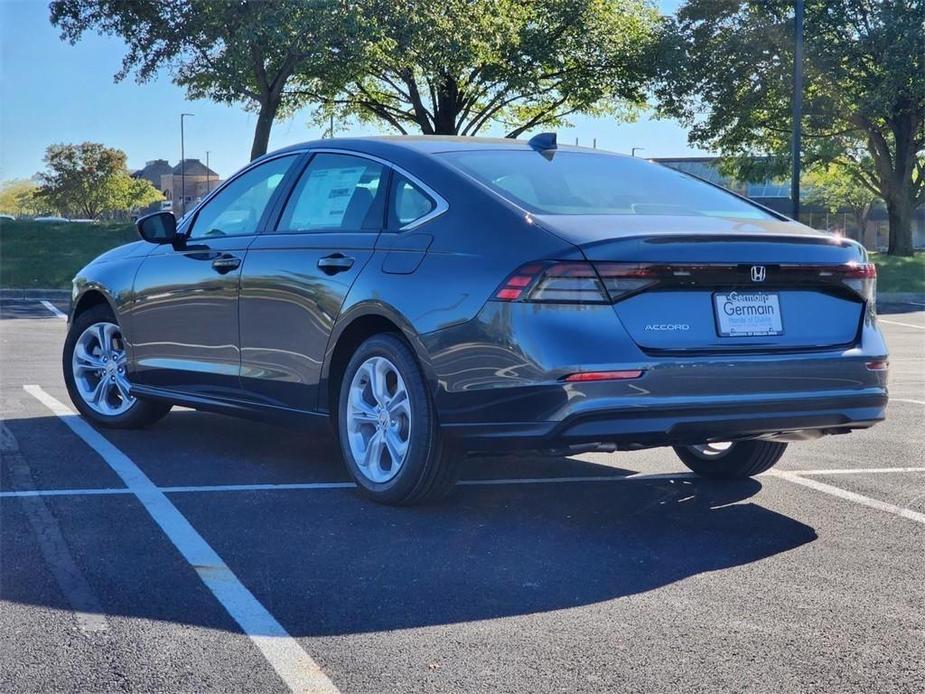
[[440, 204], [186, 221]]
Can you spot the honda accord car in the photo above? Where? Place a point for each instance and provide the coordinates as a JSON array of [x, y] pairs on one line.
[[433, 297]]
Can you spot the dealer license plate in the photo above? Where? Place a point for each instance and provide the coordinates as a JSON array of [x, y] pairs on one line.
[[748, 314]]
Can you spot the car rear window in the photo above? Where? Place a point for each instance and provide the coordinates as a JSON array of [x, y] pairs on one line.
[[570, 183]]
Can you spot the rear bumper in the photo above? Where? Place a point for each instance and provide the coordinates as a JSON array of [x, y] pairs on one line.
[[682, 422], [499, 382]]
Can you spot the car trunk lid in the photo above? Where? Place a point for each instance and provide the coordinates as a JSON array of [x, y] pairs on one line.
[[726, 286]]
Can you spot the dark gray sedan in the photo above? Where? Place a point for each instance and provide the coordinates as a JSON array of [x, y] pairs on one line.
[[435, 296]]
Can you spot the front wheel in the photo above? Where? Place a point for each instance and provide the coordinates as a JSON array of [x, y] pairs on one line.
[[387, 426], [94, 364], [731, 460]]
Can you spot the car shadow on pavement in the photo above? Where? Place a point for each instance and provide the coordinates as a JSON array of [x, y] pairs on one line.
[[337, 564], [327, 561]]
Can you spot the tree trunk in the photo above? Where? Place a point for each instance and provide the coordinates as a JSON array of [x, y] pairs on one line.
[[265, 118], [899, 210]]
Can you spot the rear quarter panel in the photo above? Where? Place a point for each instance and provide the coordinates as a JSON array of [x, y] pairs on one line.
[[475, 245]]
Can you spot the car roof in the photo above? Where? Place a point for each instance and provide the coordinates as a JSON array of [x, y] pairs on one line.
[[426, 144]]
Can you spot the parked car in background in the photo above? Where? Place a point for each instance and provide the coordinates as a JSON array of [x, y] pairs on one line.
[[7, 218], [83, 221], [51, 219], [432, 296]]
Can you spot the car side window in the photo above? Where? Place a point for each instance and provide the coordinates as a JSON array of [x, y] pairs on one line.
[[409, 203], [336, 192], [237, 208]]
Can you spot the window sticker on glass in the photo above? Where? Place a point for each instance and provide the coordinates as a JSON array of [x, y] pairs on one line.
[[329, 191]]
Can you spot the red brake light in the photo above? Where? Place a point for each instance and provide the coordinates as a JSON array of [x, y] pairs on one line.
[[585, 376], [554, 282], [860, 271], [576, 282], [862, 278]]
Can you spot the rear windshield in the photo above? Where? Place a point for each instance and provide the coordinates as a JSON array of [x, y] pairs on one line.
[[587, 183]]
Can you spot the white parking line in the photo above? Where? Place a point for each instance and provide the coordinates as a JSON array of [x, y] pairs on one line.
[[852, 471], [896, 322], [197, 489], [26, 493], [570, 480], [54, 309], [294, 666], [85, 605], [914, 402], [852, 496], [295, 486]]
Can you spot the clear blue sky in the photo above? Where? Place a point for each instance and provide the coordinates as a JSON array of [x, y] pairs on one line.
[[53, 92]]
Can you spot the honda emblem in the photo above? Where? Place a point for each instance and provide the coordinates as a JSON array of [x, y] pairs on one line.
[[758, 273]]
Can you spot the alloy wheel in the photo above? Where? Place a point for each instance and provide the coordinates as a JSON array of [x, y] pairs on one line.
[[98, 364], [712, 451], [378, 419]]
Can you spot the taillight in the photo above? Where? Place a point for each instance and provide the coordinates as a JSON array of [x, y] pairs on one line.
[[556, 283], [575, 282], [621, 279], [862, 278]]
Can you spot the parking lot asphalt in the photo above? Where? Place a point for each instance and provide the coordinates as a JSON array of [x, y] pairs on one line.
[[597, 573]]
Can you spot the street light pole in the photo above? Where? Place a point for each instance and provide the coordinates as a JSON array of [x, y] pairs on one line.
[[183, 165], [795, 144], [633, 150]]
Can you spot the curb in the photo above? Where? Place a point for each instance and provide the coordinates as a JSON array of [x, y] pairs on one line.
[[36, 294]]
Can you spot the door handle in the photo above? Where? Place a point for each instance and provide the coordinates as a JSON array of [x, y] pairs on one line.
[[335, 263], [226, 263]]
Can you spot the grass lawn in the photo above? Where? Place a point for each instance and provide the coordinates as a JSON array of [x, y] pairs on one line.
[[47, 256], [900, 274]]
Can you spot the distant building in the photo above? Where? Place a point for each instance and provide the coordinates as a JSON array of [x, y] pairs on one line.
[[775, 194], [193, 179], [153, 171]]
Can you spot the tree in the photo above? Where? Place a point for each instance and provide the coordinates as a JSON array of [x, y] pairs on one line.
[[17, 197], [835, 188], [89, 179], [726, 71], [231, 52], [453, 67]]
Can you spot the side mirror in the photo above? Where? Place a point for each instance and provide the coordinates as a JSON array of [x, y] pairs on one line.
[[160, 227]]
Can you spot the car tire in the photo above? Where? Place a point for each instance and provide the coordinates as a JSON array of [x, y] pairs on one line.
[[739, 460], [113, 410], [386, 414]]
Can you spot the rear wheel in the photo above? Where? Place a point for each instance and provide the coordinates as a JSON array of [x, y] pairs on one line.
[[387, 426], [94, 362], [731, 460]]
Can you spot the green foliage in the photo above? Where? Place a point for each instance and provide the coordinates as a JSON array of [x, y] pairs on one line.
[[232, 52], [47, 256], [89, 179], [17, 197], [834, 188], [455, 66], [727, 72], [435, 66]]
